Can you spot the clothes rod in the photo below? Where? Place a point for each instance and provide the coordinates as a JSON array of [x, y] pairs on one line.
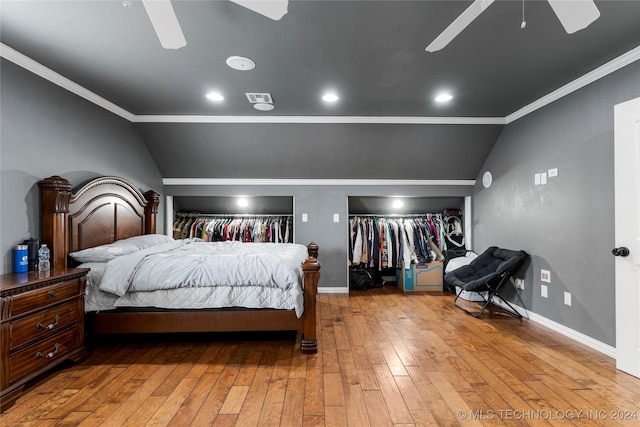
[[201, 215], [397, 215]]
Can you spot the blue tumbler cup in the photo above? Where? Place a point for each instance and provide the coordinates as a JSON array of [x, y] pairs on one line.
[[22, 259]]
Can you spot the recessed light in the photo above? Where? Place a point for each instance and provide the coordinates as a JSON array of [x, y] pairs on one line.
[[330, 97], [397, 204], [215, 96], [263, 107], [240, 63], [444, 97]]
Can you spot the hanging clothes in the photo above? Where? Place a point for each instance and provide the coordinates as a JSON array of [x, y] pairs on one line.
[[243, 228], [396, 242]]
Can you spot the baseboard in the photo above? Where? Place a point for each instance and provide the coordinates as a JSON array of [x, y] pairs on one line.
[[555, 326], [568, 332], [323, 290]]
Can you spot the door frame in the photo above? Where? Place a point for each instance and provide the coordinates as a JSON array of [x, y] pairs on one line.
[[627, 234]]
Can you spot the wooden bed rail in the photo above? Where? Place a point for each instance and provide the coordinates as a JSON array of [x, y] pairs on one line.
[[108, 209]]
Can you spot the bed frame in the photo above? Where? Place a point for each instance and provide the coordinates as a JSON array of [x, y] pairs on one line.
[[109, 208]]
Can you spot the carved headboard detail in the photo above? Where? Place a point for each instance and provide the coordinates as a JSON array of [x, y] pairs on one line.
[[101, 211]]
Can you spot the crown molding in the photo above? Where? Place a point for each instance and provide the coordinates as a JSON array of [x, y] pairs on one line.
[[600, 72], [46, 73], [308, 182], [37, 68], [323, 119]]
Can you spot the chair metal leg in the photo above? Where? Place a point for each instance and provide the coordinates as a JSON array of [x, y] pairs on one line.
[[509, 309], [486, 304]]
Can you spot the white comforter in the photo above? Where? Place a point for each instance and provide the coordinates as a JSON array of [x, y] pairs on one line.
[[218, 274]]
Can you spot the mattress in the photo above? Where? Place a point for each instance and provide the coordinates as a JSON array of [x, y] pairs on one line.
[[95, 299], [196, 275]]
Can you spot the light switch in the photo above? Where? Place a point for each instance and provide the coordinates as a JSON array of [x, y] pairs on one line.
[[545, 276], [536, 179], [543, 291], [543, 178], [305, 217], [336, 217], [553, 172]]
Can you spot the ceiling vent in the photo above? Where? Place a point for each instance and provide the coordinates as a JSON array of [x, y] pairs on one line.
[[259, 98]]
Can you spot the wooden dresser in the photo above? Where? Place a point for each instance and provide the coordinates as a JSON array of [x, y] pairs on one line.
[[42, 324]]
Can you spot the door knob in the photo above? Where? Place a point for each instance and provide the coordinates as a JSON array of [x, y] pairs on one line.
[[621, 251]]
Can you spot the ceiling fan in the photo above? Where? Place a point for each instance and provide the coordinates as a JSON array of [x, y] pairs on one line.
[[574, 15], [165, 23]]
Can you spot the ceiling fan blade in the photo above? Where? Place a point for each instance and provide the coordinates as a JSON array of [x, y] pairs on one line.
[[165, 23], [459, 24], [274, 9], [575, 15]]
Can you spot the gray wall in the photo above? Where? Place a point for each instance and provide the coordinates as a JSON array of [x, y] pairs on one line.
[[47, 131], [567, 226], [319, 150]]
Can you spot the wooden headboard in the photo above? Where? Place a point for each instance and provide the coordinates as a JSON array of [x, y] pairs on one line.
[[101, 211]]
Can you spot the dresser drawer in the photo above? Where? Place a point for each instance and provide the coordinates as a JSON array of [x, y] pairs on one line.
[[40, 325], [42, 353], [42, 322], [39, 298]]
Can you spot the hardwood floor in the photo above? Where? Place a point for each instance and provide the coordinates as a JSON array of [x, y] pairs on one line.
[[385, 359]]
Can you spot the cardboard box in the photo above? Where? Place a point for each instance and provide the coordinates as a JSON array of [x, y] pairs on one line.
[[421, 277]]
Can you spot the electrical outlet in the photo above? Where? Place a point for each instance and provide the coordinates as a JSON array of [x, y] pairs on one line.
[[520, 284], [305, 217], [543, 291], [553, 172], [567, 298], [336, 217], [545, 276]]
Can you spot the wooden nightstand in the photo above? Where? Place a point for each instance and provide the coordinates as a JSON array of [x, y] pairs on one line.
[[42, 325]]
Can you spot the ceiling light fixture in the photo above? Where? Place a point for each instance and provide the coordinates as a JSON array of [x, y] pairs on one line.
[[215, 96], [397, 204], [330, 97], [263, 107], [126, 3], [240, 63], [243, 202], [444, 97]]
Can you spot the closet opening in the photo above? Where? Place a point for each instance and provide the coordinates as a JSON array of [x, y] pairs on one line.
[[242, 218], [403, 241]]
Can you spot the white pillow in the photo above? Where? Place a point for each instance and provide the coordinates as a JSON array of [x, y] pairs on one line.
[[105, 253], [458, 262]]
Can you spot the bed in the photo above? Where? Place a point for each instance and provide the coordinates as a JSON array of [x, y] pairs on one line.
[[108, 210]]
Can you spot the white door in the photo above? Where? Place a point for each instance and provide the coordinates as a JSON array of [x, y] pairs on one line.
[[627, 235]]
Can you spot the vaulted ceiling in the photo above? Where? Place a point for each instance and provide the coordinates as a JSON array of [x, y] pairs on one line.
[[371, 53]]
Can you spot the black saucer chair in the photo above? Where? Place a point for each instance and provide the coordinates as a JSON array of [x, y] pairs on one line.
[[487, 275]]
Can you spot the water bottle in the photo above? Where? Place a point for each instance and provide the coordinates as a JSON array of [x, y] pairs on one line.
[[21, 259], [43, 258]]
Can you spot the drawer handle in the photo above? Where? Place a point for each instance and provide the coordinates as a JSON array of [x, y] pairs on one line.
[[51, 294], [49, 355], [50, 326]]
